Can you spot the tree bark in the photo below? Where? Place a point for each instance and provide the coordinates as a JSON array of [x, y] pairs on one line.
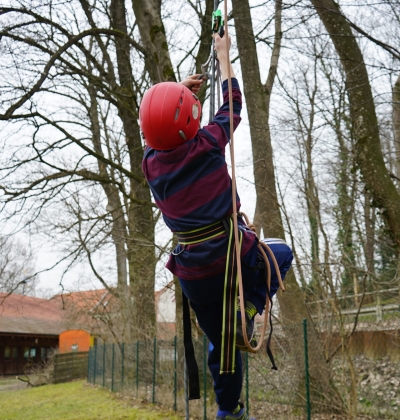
[[152, 33], [369, 247], [368, 152], [346, 188], [396, 125]]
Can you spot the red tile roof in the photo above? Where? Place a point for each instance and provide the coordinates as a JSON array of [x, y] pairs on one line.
[[87, 300], [89, 310], [21, 314]]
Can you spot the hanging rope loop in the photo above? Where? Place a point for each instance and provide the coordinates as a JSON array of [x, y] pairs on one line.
[[261, 246]]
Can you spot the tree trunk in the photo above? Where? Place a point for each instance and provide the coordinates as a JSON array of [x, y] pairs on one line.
[[119, 228], [346, 188], [152, 33], [114, 205], [159, 65], [311, 193], [368, 150], [396, 136], [369, 217], [396, 125], [268, 215], [140, 246]]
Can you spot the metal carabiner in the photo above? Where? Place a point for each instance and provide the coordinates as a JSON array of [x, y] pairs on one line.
[[175, 254], [205, 74]]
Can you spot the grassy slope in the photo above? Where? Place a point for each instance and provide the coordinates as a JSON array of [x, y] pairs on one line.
[[73, 400]]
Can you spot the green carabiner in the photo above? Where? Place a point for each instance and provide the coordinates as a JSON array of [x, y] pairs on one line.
[[218, 23]]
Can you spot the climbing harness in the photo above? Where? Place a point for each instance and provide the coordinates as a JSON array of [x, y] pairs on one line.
[[233, 275]]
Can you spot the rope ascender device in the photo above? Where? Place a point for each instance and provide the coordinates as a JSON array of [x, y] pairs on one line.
[[233, 276], [214, 76]]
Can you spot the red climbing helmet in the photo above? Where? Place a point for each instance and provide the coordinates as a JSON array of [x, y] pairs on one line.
[[169, 115]]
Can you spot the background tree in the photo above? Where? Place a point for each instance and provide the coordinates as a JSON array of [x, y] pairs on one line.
[[368, 151], [267, 215], [17, 267], [90, 170]]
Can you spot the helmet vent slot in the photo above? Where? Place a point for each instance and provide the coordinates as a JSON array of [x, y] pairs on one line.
[[188, 120], [176, 114]]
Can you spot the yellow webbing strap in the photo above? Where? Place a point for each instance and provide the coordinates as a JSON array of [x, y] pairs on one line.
[[229, 318]]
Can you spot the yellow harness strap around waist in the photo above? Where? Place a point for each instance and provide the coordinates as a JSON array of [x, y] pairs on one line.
[[201, 234]]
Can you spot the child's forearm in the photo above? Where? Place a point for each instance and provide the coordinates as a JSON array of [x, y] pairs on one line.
[[225, 67]]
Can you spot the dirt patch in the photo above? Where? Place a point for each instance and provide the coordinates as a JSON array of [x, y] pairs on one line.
[[11, 384], [264, 411]]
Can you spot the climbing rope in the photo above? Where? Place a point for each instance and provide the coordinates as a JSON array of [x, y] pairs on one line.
[[262, 247], [220, 25]]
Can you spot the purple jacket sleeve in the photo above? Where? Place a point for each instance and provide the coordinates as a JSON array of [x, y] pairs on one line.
[[219, 127]]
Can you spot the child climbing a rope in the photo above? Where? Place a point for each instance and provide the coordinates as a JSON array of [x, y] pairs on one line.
[[188, 176]]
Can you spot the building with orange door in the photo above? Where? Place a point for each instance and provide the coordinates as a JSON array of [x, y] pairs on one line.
[[29, 331], [32, 328]]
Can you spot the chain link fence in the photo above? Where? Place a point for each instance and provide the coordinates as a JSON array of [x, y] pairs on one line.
[[320, 370]]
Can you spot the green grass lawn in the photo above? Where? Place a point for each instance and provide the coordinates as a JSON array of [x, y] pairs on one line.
[[73, 400]]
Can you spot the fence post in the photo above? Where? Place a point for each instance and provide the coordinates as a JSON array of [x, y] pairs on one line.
[[112, 367], [175, 373], [137, 368], [378, 308], [122, 365], [73, 366], [95, 365], [104, 364], [205, 376], [89, 364], [306, 370], [154, 369], [246, 364]]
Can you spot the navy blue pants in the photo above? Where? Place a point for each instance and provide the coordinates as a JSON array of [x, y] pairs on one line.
[[206, 299]]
